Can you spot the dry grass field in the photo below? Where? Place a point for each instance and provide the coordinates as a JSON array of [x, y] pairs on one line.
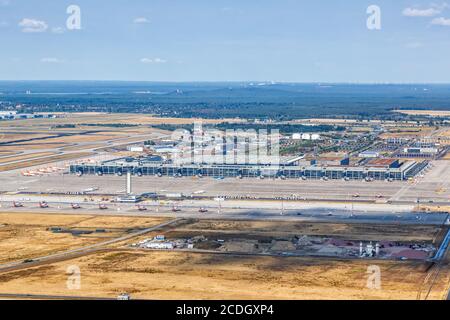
[[25, 235], [76, 147], [25, 157], [118, 222], [108, 118], [431, 113], [37, 147], [190, 275], [447, 156], [23, 135], [404, 132], [177, 275], [36, 162], [445, 133], [4, 153]]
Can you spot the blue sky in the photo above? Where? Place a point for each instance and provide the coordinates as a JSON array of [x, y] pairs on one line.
[[226, 40]]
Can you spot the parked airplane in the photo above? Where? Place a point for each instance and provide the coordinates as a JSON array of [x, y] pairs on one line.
[[17, 204], [75, 206], [43, 205]]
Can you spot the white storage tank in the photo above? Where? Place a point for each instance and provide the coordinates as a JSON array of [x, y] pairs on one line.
[[306, 136], [296, 136]]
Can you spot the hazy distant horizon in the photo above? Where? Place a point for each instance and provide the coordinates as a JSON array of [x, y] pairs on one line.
[[211, 99], [267, 82]]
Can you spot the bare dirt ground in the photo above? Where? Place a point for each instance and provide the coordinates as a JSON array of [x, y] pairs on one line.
[[356, 231]]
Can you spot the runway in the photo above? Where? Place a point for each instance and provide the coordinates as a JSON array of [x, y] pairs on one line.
[[245, 211]]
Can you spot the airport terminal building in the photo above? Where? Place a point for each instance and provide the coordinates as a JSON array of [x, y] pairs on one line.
[[378, 169]]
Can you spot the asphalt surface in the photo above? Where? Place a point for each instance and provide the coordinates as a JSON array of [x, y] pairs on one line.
[[190, 209], [433, 187]]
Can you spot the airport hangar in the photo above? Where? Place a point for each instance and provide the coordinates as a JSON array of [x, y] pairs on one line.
[[377, 169]]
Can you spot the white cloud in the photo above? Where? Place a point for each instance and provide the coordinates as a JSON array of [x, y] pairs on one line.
[[155, 60], [414, 45], [58, 30], [230, 10], [413, 12], [51, 60], [141, 20], [441, 21], [441, 6], [32, 25]]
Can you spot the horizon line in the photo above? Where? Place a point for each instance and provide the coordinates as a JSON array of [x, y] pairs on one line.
[[272, 82]]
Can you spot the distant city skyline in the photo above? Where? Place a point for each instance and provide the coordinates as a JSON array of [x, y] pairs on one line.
[[324, 41]]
